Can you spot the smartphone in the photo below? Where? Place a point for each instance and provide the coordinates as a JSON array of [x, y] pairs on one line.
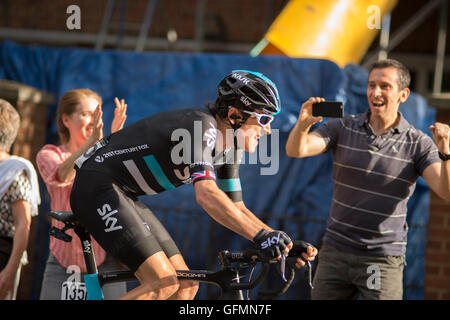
[[330, 109]]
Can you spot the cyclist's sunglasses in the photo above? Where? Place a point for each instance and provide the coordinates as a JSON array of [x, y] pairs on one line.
[[262, 118]]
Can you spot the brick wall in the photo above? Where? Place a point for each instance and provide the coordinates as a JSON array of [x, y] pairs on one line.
[[230, 20], [437, 264], [225, 20]]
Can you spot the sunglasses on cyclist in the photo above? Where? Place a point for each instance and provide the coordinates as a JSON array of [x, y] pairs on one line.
[[262, 118]]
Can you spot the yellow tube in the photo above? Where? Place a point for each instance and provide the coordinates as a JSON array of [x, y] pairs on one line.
[[338, 30]]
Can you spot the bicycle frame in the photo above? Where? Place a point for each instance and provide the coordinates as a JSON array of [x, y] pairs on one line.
[[225, 279]]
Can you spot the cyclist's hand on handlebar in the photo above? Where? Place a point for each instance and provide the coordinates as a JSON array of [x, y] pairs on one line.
[[307, 251], [309, 256], [273, 243]]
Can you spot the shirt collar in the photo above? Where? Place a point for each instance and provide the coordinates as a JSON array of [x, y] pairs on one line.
[[402, 125]]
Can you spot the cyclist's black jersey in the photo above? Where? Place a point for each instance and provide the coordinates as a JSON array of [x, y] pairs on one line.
[[165, 151]]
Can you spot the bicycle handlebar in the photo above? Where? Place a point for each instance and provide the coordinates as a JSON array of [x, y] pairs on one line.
[[254, 255]]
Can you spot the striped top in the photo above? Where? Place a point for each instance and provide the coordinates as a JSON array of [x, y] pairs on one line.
[[374, 176], [48, 160]]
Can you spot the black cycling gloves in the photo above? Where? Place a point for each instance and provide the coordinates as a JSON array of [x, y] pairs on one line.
[[272, 243]]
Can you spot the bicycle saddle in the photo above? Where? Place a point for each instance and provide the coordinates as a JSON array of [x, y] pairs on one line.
[[64, 216]]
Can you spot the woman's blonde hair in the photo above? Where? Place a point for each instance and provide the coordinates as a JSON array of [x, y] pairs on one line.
[[68, 105]]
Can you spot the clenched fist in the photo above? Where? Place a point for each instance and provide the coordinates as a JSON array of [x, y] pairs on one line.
[[441, 137]]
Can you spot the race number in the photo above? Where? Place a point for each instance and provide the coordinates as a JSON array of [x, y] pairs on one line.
[[73, 291], [73, 288]]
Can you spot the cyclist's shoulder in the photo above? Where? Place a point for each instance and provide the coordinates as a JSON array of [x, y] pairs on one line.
[[202, 114], [187, 116]]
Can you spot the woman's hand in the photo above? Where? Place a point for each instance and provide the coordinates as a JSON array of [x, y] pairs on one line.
[[119, 115], [97, 132], [6, 283]]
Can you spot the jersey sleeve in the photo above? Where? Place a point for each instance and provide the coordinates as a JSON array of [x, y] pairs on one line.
[[229, 182], [202, 150], [228, 175], [205, 160]]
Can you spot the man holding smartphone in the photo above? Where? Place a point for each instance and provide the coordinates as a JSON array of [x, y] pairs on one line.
[[378, 157]]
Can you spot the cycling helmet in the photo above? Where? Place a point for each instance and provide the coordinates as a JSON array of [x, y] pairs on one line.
[[249, 90]]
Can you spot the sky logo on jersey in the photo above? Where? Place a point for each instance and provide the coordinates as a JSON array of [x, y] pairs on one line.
[[205, 174], [210, 136], [107, 215]]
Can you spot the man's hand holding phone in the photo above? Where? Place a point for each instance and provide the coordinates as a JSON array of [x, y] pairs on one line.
[[316, 108], [306, 118]]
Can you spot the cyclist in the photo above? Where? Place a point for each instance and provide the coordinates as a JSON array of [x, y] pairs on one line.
[[149, 157]]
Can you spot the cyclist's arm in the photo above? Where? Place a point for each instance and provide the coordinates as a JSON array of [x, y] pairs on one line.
[[219, 206], [241, 206]]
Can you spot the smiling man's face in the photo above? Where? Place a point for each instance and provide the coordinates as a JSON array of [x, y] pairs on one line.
[[383, 93]]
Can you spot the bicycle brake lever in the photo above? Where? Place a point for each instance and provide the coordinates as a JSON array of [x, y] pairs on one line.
[[309, 270], [283, 266], [291, 264]]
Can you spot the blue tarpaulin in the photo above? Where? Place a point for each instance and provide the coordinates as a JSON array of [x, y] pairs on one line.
[[289, 194]]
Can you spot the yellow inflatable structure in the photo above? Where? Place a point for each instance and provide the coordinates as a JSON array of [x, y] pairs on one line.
[[337, 30]]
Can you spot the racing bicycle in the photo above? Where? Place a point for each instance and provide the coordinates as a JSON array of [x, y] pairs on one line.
[[227, 278]]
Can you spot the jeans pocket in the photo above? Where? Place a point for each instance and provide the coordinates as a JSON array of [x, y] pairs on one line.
[[396, 261]]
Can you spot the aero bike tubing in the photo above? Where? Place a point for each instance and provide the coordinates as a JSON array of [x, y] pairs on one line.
[[93, 288]]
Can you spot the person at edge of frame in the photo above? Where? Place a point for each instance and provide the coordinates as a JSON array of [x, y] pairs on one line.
[[377, 158], [19, 201]]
